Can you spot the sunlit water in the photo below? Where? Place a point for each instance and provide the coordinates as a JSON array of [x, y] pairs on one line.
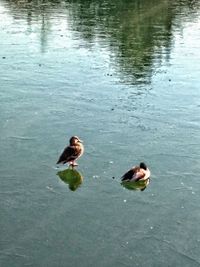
[[124, 76]]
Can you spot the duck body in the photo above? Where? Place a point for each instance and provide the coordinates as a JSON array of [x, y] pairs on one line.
[[72, 152], [137, 173]]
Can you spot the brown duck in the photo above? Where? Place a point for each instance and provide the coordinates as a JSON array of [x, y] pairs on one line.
[[72, 152], [137, 173]]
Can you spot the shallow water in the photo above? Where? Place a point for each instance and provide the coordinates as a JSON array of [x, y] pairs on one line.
[[124, 76]]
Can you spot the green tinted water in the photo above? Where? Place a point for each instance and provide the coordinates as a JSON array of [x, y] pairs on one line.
[[124, 76]]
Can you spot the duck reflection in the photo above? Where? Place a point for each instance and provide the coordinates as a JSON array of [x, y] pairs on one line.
[[136, 185], [71, 177]]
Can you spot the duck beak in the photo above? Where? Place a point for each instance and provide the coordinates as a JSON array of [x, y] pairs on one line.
[[80, 141]]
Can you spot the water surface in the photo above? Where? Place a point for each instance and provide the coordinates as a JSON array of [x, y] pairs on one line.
[[124, 76]]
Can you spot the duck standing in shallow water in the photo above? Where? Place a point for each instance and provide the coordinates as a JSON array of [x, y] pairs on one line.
[[72, 152], [137, 173]]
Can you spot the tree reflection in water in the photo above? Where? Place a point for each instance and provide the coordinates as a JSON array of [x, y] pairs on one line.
[[137, 34]]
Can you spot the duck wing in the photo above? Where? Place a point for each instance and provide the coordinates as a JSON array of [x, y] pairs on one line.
[[129, 174], [69, 153]]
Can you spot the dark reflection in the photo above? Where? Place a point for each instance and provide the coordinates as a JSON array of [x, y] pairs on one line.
[[71, 177], [138, 34], [134, 31], [139, 185]]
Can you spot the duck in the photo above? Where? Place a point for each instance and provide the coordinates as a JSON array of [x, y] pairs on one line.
[[72, 152], [137, 173]]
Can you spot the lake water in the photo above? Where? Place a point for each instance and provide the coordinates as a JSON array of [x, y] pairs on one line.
[[125, 77]]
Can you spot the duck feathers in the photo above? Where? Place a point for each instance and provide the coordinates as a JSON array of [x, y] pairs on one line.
[[70, 153]]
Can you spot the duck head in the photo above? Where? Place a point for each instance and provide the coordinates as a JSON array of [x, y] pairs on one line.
[[143, 166], [74, 140]]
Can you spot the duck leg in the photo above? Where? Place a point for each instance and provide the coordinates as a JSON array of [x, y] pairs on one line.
[[73, 163]]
